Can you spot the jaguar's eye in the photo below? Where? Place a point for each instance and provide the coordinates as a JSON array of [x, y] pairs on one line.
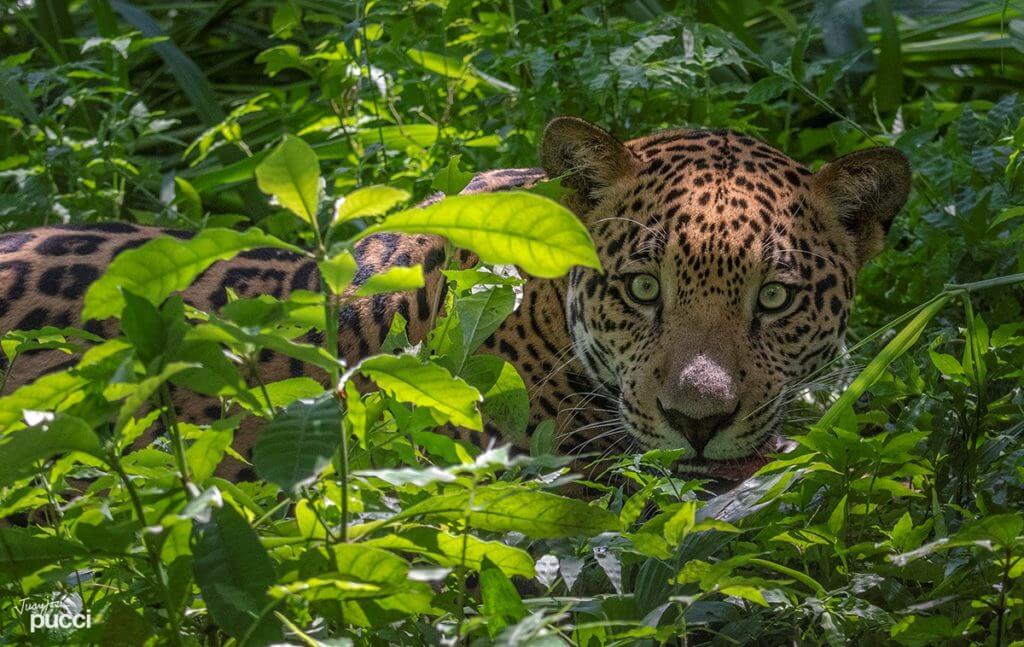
[[774, 297], [644, 288]]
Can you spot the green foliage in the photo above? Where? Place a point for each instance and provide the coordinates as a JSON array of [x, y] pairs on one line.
[[306, 126], [543, 237]]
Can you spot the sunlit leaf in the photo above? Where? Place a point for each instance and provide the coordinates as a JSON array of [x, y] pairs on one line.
[[539, 235], [451, 550], [338, 271], [394, 279], [502, 508], [368, 201], [165, 265], [425, 384], [291, 173]]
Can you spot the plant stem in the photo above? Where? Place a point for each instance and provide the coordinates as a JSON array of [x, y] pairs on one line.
[[998, 281], [171, 424], [343, 474], [154, 557], [1005, 584]]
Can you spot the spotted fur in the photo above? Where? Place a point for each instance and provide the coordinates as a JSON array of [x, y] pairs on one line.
[[712, 215]]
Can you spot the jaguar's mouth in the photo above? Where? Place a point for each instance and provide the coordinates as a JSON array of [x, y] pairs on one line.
[[733, 469]]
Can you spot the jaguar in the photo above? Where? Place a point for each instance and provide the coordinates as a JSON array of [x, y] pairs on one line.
[[728, 279]]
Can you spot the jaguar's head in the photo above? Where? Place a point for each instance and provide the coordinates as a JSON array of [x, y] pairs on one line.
[[728, 277]]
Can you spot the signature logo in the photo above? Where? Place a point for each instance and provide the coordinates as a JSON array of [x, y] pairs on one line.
[[65, 612]]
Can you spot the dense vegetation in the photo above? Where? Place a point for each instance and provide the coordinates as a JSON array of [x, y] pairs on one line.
[[896, 518]]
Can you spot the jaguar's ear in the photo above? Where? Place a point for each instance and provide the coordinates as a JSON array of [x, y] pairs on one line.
[[586, 157], [867, 189]]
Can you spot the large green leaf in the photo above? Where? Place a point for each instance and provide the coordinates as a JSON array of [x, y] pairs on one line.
[[299, 442], [538, 234], [291, 173], [45, 394], [21, 450], [233, 573], [166, 265], [451, 550], [502, 508], [501, 601], [351, 571], [425, 384], [22, 551]]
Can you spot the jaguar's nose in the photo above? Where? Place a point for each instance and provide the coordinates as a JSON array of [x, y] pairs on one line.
[[697, 431]]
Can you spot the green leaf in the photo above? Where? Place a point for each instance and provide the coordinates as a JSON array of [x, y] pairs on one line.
[[206, 452], [284, 392], [446, 549], [767, 89], [368, 201], [501, 601], [143, 326], [542, 442], [291, 173], [394, 279], [297, 445], [898, 345], [947, 364], [632, 508], [213, 373], [443, 65], [187, 199], [184, 70], [745, 591], [1001, 529], [837, 519], [502, 508], [21, 450], [144, 390], [280, 58], [889, 82], [425, 384], [45, 394], [286, 18], [451, 179], [223, 331], [351, 571], [1007, 214], [23, 552], [410, 475], [166, 265], [506, 402], [338, 271], [539, 235], [478, 316], [329, 586], [233, 573], [681, 522]]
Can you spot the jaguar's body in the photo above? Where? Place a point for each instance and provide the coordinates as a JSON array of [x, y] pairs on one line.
[[728, 278]]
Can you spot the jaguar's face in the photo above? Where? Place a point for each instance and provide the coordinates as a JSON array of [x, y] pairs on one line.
[[728, 278]]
